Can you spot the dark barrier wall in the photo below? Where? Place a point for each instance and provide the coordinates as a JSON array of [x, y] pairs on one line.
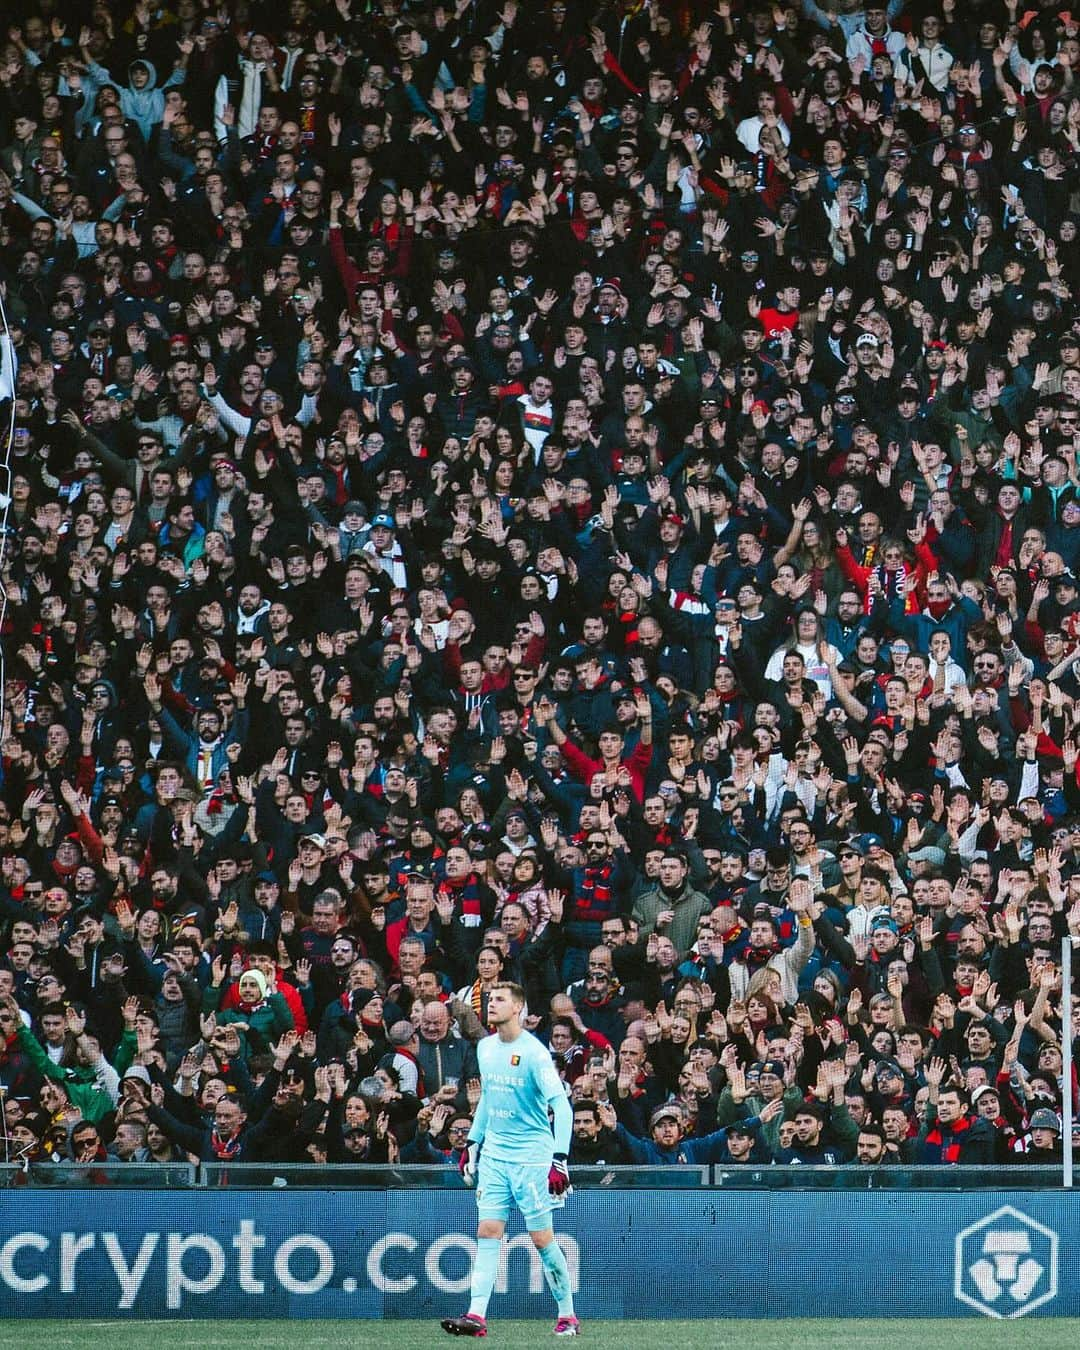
[[637, 1254]]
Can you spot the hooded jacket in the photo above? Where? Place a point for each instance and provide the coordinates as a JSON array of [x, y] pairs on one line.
[[93, 1090], [146, 106], [269, 1018]]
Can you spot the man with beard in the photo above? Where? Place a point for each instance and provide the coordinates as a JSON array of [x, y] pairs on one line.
[[597, 998], [764, 950], [230, 1138], [595, 1142], [673, 906], [950, 1132]]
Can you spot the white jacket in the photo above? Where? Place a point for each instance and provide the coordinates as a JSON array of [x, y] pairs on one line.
[[789, 962]]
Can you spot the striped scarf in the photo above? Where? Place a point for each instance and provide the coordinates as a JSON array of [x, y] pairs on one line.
[[476, 999], [593, 903], [893, 581], [466, 896], [225, 1147], [939, 1147]]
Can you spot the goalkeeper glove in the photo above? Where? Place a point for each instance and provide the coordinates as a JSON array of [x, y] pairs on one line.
[[467, 1162], [558, 1175]]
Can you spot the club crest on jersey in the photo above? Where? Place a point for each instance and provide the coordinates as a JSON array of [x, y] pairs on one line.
[[515, 1060]]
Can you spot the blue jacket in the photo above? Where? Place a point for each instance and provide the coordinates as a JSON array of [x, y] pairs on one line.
[[709, 1148], [917, 628], [186, 743]]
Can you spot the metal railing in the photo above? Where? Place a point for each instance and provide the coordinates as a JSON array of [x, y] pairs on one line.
[[889, 1177], [113, 1175], [346, 1176]]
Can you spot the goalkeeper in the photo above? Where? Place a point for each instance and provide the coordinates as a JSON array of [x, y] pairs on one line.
[[513, 1157]]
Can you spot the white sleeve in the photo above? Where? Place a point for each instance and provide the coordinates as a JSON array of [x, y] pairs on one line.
[[235, 421], [107, 1079], [221, 99]]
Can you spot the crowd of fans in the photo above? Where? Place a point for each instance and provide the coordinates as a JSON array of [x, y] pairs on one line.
[[582, 495]]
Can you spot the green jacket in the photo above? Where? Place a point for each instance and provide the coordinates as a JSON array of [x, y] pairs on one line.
[[85, 1087], [689, 905], [269, 1021], [979, 427], [728, 1111]]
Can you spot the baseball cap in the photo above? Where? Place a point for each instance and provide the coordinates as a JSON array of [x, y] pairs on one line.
[[669, 1111], [929, 854], [401, 1033], [981, 1092], [383, 518], [317, 839]]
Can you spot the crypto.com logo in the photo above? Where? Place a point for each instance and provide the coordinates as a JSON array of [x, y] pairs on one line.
[[1006, 1264]]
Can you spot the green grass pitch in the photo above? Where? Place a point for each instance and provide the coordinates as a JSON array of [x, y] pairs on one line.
[[826, 1334]]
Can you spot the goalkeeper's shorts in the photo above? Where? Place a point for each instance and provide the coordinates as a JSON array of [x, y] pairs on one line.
[[501, 1186]]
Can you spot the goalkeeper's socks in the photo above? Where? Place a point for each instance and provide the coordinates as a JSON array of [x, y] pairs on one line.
[[558, 1277], [485, 1268]]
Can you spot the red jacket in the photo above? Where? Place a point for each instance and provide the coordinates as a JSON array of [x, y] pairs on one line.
[[636, 764], [353, 277]]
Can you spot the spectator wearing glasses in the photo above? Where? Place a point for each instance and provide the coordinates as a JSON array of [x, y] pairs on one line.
[[807, 346]]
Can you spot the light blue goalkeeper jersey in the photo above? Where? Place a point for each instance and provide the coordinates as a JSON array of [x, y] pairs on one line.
[[520, 1083]]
